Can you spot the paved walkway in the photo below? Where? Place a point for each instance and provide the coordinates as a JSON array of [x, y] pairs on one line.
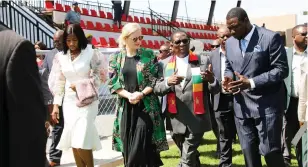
[[105, 157]]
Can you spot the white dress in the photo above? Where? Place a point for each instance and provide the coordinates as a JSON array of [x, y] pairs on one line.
[[79, 128]]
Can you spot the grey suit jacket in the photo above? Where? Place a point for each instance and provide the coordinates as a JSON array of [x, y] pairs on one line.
[[48, 97], [287, 80], [216, 64], [185, 118], [265, 62], [21, 104], [48, 61]]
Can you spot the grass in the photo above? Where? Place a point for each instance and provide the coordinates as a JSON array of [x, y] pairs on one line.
[[208, 158]]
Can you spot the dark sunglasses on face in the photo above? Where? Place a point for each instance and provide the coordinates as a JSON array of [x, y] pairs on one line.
[[136, 38], [303, 34], [223, 37], [161, 51], [184, 41], [215, 46]]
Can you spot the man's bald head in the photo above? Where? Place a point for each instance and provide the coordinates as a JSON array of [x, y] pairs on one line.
[[58, 39], [223, 29]]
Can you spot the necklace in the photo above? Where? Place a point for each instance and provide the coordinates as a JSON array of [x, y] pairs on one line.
[[74, 55]]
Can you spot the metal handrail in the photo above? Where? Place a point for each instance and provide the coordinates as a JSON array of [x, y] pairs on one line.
[[25, 24]]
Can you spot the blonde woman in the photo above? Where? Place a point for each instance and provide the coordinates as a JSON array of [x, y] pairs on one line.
[[139, 131]]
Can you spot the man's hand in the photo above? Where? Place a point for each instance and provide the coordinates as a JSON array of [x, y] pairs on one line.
[[225, 83], [174, 79], [237, 86], [208, 75]]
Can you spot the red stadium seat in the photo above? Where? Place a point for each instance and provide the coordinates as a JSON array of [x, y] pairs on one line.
[[93, 13], [150, 44], [113, 43], [142, 20], [148, 20], [109, 15], [144, 44], [49, 5], [99, 26], [59, 7], [156, 44], [90, 25], [129, 18], [82, 25], [115, 28], [144, 31], [67, 8], [85, 11], [102, 14], [107, 27], [123, 18], [150, 32], [103, 42], [136, 19], [162, 42], [94, 42]]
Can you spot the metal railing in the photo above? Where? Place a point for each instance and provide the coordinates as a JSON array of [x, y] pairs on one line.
[[166, 28], [26, 25], [132, 12]]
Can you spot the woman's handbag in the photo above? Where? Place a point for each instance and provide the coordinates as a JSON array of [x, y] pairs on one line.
[[86, 92]]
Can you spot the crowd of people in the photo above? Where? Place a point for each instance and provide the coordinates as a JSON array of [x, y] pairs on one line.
[[249, 86]]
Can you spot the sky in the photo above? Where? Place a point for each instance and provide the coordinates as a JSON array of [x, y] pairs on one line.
[[200, 8]]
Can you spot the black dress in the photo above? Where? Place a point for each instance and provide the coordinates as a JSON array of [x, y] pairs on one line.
[[136, 126]]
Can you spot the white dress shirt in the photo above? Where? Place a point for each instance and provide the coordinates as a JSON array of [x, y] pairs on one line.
[[181, 65], [296, 71], [222, 63], [245, 42]]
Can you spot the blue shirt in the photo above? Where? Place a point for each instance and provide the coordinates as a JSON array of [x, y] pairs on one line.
[[73, 17]]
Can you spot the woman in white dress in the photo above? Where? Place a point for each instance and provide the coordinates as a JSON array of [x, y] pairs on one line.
[[76, 63]]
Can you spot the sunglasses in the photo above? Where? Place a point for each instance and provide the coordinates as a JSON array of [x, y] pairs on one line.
[[136, 38], [215, 46], [184, 41], [161, 51], [303, 34], [223, 37]]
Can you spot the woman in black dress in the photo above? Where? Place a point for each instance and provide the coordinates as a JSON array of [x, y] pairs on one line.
[[138, 129]]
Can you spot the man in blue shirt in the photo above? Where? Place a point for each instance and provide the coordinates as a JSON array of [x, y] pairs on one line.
[[73, 16]]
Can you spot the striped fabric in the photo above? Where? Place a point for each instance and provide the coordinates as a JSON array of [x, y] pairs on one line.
[[197, 86]]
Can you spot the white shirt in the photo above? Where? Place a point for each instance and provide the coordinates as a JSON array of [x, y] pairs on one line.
[[246, 41], [222, 63], [296, 71], [181, 65]]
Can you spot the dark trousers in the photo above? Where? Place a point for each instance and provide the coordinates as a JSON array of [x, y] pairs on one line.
[[215, 129], [117, 14], [290, 128], [261, 136], [55, 154], [188, 144]]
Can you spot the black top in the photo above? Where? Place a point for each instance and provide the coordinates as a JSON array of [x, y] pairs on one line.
[[130, 74]]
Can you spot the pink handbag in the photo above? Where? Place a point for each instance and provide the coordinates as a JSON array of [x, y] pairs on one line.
[[86, 92]]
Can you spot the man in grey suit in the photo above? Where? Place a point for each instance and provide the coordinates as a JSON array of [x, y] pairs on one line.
[[188, 125], [258, 61], [22, 117], [55, 154], [223, 101], [296, 55]]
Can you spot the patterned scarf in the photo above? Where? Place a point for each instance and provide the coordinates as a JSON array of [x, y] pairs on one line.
[[197, 87]]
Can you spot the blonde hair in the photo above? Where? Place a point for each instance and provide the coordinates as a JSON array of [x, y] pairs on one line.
[[127, 30]]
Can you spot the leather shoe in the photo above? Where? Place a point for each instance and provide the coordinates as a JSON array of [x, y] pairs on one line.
[[52, 164]]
